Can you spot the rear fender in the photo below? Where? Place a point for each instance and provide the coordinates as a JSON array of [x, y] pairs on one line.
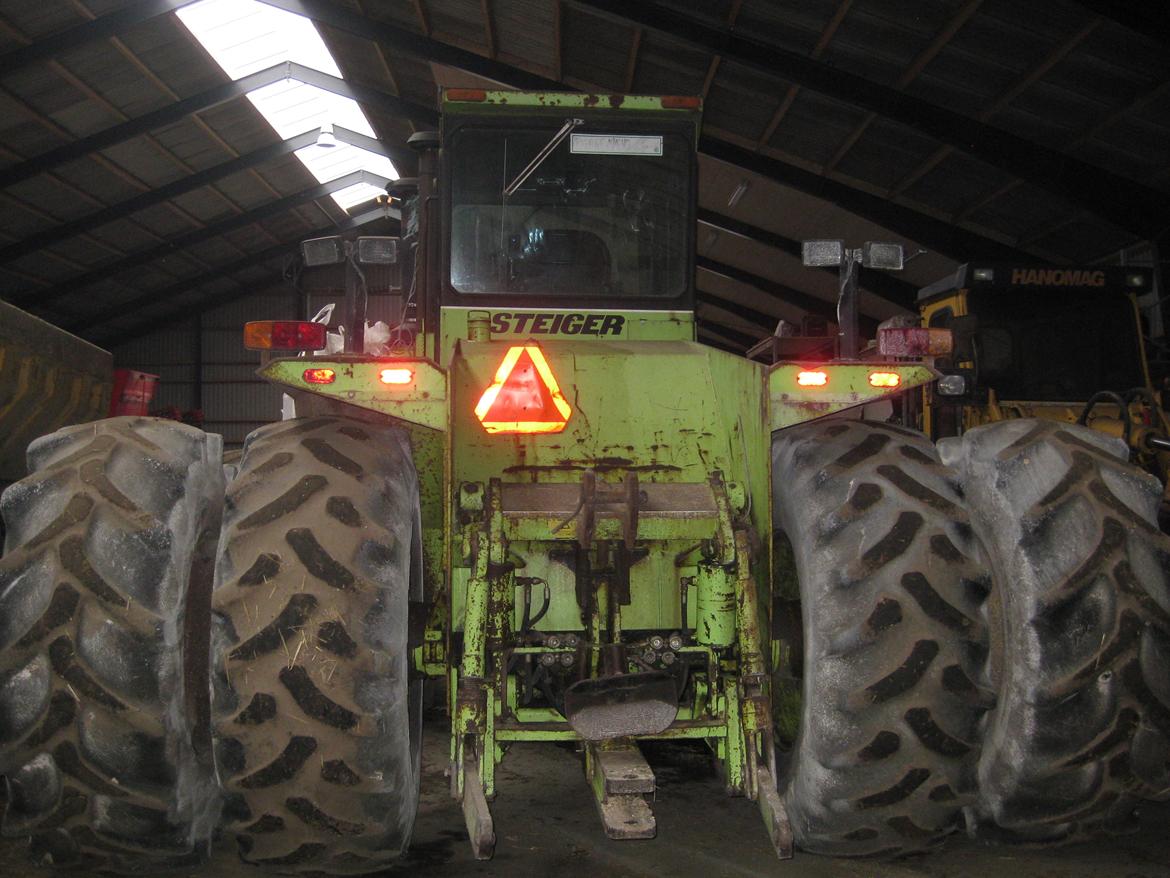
[[845, 386], [356, 381]]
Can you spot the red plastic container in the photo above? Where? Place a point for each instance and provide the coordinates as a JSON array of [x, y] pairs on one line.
[[133, 392]]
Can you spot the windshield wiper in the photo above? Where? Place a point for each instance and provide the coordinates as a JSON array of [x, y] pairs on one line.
[[536, 162]]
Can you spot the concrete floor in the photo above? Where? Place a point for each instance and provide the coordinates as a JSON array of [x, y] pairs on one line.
[[546, 825]]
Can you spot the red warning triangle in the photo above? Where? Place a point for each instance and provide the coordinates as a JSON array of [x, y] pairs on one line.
[[524, 396]]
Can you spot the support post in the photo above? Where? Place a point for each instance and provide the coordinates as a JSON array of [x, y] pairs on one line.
[[756, 707], [847, 309], [480, 827], [775, 814], [620, 778]]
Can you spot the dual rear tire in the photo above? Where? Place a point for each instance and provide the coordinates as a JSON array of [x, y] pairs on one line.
[[1081, 731], [986, 639], [114, 755], [894, 682], [316, 721], [105, 586], [987, 636]]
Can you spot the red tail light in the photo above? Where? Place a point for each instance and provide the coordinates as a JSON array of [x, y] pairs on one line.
[[284, 335], [319, 376]]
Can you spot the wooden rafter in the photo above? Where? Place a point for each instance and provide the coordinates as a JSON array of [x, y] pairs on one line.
[[1080, 139], [424, 20], [716, 60], [940, 41], [1014, 91], [632, 60], [827, 33], [489, 27], [558, 41]]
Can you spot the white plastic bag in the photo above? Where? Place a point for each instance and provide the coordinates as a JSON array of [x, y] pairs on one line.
[[376, 342]]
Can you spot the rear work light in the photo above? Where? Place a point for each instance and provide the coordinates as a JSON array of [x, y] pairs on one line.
[[884, 379], [812, 379], [319, 376], [396, 376], [284, 335]]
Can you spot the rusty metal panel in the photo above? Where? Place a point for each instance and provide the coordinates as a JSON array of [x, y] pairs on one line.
[[685, 500], [48, 378]]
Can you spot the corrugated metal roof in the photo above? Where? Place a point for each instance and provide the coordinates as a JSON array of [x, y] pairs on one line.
[[1057, 75], [244, 36]]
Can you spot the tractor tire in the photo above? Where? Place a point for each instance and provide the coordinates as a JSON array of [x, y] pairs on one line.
[[1080, 629], [105, 588], [893, 691], [317, 739]]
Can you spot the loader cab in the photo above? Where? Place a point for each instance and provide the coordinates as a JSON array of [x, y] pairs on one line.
[[1033, 335], [564, 213]]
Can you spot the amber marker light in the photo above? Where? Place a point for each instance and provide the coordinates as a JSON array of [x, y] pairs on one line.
[[884, 379], [396, 376], [467, 94], [284, 335], [812, 379]]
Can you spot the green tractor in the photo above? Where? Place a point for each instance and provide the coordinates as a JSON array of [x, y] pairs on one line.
[[591, 529]]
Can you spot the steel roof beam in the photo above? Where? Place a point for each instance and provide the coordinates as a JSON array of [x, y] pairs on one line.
[[415, 44], [90, 322], [711, 338], [104, 27], [63, 231], [766, 322], [940, 42], [893, 289], [1149, 19], [179, 110], [1126, 203], [1017, 88], [713, 327], [170, 246], [827, 33], [931, 232], [783, 292]]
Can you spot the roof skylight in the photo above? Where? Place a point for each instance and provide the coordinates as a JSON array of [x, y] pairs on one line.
[[245, 36]]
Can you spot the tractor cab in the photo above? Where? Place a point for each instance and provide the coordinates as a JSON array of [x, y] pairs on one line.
[[565, 214]]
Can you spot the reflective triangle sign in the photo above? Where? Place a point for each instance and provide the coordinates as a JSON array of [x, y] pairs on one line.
[[524, 396]]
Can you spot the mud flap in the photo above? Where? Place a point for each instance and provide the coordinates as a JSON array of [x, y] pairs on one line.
[[622, 705]]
